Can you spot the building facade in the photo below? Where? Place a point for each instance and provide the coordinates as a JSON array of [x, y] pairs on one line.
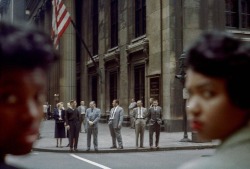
[[135, 45], [13, 11]]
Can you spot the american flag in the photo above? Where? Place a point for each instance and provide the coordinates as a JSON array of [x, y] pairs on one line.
[[60, 21]]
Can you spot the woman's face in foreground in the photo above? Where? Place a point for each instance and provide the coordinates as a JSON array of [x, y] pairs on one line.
[[22, 93], [211, 111]]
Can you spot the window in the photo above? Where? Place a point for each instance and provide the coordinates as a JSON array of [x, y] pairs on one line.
[[238, 14], [140, 17], [112, 87], [114, 22], [139, 83], [94, 88], [95, 24], [245, 14]]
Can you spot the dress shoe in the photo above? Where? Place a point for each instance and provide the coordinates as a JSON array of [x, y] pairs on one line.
[[142, 147], [113, 147], [121, 147], [67, 145], [75, 149]]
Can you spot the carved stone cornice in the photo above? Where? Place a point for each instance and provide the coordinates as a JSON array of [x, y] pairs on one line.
[[113, 54], [138, 45], [90, 62]]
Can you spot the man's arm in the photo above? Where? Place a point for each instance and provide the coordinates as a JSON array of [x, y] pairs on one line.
[[66, 117], [86, 116], [121, 118], [98, 116]]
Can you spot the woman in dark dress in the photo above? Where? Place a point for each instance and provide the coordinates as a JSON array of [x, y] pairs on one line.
[[59, 115]]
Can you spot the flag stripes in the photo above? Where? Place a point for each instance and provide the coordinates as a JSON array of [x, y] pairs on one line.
[[60, 20]]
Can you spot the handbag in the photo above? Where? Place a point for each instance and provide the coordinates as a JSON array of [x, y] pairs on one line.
[[59, 121]]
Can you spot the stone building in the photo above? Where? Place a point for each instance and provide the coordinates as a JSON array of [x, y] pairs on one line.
[[135, 45]]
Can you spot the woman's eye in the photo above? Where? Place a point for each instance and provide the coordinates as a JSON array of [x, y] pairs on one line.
[[40, 98], [8, 98], [207, 94]]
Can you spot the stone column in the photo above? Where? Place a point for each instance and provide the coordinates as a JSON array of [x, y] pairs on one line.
[[123, 40], [53, 74], [67, 49], [86, 17]]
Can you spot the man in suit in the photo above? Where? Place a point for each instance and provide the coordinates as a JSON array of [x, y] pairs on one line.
[[73, 117], [115, 124], [82, 109], [151, 102], [132, 105], [139, 115], [92, 117], [155, 120]]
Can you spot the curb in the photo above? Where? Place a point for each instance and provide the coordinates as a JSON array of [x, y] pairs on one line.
[[129, 150]]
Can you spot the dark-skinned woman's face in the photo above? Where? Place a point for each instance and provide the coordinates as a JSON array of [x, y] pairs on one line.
[[22, 94]]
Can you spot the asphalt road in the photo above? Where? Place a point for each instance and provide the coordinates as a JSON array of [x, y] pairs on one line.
[[140, 160]]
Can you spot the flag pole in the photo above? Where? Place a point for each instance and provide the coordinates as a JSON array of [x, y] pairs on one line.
[[87, 49], [84, 44]]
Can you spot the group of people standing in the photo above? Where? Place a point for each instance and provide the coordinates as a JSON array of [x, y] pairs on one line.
[[141, 116], [82, 119], [72, 119], [69, 119]]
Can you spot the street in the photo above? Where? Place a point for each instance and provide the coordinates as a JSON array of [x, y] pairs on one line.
[[139, 160]]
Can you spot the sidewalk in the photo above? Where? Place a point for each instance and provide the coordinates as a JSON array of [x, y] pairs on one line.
[[168, 141]]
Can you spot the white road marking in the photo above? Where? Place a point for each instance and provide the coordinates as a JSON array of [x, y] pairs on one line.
[[90, 162]]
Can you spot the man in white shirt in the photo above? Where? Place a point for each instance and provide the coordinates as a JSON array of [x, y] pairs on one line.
[[115, 124], [82, 110], [132, 105], [139, 115], [45, 111]]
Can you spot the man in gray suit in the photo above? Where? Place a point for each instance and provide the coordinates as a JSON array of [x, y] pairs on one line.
[[115, 124], [132, 105], [139, 115], [155, 120], [82, 109], [92, 117]]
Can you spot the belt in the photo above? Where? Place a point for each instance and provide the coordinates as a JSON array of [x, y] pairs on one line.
[[140, 118]]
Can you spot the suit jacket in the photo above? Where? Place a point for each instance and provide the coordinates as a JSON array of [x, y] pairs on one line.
[[144, 113], [56, 115], [231, 154], [118, 117], [93, 116], [155, 116], [3, 165], [82, 109], [72, 115]]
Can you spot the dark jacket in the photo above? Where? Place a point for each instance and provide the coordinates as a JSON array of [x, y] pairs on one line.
[[72, 116], [56, 115]]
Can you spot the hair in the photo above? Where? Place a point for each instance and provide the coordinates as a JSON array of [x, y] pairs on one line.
[[139, 101], [23, 47], [220, 55], [71, 101], [93, 102], [116, 101]]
